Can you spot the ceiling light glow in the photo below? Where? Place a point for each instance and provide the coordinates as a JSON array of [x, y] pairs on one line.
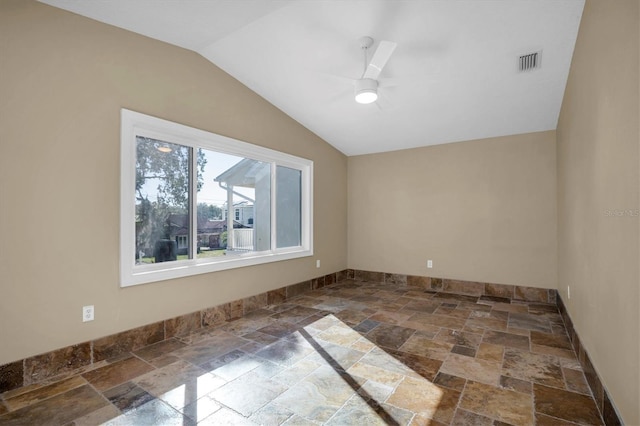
[[366, 97]]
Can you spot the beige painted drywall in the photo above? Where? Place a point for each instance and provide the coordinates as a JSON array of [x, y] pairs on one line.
[[481, 210], [598, 185], [63, 80]]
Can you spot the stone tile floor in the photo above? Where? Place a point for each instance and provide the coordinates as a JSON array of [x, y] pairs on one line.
[[353, 353]]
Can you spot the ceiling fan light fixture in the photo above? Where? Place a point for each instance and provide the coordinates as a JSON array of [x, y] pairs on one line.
[[366, 90]]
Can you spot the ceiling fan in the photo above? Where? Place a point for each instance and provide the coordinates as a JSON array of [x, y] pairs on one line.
[[366, 88]]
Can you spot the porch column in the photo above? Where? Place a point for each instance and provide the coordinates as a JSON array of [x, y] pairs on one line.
[[230, 216]]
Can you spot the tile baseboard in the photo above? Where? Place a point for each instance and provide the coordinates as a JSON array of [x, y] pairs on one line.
[[604, 403], [85, 356], [468, 288]]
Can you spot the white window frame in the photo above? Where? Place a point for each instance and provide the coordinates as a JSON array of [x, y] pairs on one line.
[[136, 124]]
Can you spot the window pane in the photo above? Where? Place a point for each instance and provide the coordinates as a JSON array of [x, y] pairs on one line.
[[162, 201], [245, 183], [288, 207]]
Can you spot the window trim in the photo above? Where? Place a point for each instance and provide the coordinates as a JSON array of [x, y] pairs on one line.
[[137, 124]]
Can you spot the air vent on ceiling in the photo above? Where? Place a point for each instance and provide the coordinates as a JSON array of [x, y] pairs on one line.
[[529, 62]]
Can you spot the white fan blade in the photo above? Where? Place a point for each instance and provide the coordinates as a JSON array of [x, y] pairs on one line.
[[379, 60]]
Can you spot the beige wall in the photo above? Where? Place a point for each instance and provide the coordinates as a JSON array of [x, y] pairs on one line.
[[481, 210], [63, 80], [598, 142]]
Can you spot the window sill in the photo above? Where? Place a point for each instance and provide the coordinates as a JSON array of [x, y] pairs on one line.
[[144, 274]]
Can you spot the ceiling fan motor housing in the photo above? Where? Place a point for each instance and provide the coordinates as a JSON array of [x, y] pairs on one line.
[[366, 90]]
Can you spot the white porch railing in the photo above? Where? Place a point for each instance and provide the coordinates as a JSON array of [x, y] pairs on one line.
[[243, 240]]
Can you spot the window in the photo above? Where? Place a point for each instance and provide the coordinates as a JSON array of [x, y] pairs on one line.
[[183, 241], [178, 185]]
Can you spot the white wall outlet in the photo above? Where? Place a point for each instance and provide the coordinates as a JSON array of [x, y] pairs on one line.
[[318, 263], [568, 292], [429, 263], [87, 313]]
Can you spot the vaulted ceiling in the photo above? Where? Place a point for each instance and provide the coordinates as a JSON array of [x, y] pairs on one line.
[[453, 76]]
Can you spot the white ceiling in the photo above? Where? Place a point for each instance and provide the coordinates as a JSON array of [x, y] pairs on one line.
[[452, 77]]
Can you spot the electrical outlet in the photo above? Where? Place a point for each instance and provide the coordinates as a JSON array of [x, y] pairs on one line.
[[318, 263], [429, 263], [87, 313], [568, 292]]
